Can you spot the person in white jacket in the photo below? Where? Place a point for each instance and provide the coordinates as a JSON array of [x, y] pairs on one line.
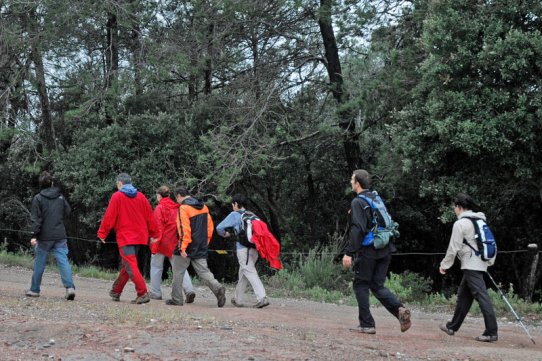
[[472, 286]]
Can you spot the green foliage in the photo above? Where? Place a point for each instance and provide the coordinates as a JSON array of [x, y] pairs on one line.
[[409, 287]]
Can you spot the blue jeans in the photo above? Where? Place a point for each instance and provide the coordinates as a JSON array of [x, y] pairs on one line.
[[60, 250]]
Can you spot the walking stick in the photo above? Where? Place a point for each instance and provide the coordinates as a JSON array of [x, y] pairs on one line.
[[511, 308]]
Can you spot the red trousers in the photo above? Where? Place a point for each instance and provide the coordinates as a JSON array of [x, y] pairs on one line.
[[129, 271]]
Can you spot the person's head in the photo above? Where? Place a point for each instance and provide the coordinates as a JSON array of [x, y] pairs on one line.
[[45, 180], [123, 179], [162, 192], [181, 193], [238, 201], [464, 202], [361, 180]]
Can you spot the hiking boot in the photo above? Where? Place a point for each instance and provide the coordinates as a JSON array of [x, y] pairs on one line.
[[141, 299], [70, 294], [404, 319], [171, 302], [114, 295], [262, 303], [367, 330], [190, 296], [445, 328], [234, 302], [486, 338], [221, 297], [154, 297], [30, 293]]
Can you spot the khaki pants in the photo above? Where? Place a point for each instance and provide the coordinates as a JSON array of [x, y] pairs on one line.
[[180, 264], [247, 258]]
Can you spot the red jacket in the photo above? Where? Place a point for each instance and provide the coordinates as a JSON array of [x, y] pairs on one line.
[[165, 215], [267, 245], [131, 218]]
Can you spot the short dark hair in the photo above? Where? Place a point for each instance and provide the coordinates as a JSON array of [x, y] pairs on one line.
[[181, 191], [466, 202], [45, 180], [163, 191], [124, 178], [240, 199], [363, 177]]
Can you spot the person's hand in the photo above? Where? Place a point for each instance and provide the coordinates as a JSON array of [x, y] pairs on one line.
[[154, 240], [442, 271], [103, 240], [33, 241], [347, 261], [184, 254]]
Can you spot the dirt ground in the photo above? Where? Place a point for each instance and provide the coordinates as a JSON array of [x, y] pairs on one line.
[[94, 328]]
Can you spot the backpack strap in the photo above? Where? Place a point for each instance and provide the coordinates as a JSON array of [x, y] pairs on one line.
[[370, 204], [476, 235]]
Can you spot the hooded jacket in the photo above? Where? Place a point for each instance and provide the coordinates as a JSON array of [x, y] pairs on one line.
[[49, 208], [129, 213], [464, 229], [165, 215], [195, 227]]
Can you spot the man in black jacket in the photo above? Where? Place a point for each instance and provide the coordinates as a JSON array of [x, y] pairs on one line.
[[49, 208], [370, 264]]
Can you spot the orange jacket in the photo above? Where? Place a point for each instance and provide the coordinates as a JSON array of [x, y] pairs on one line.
[[195, 227]]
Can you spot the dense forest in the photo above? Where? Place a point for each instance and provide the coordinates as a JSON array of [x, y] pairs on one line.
[[280, 100]]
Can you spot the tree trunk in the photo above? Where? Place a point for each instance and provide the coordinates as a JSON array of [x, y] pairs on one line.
[[112, 64], [209, 61], [135, 49], [333, 65]]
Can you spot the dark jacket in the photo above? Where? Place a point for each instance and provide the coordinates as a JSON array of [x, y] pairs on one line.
[[360, 220], [49, 208], [195, 228]]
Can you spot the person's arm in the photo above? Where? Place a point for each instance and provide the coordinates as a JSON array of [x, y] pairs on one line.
[[67, 208], [456, 242], [110, 219], [358, 225], [36, 220], [233, 220], [184, 229]]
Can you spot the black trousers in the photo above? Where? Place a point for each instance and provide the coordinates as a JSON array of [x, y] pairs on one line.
[[473, 287], [370, 274]]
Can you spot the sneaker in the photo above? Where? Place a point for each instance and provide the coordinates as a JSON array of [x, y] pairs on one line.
[[445, 328], [367, 330], [190, 296], [70, 294], [221, 297], [234, 302], [486, 338], [114, 295], [154, 297], [141, 299], [262, 303], [171, 302], [404, 319], [30, 293]]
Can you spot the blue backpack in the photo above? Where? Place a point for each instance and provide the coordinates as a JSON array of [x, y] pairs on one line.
[[485, 241], [380, 233]]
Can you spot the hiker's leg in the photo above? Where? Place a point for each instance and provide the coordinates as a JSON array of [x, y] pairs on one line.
[[40, 260], [60, 250], [363, 269], [200, 266], [157, 268], [252, 275], [129, 261], [384, 295], [240, 288], [478, 289], [179, 266], [188, 287], [462, 307]]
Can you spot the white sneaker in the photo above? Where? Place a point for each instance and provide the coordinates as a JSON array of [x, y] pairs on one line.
[[70, 294]]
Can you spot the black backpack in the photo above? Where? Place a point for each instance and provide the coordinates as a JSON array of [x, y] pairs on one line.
[[242, 236]]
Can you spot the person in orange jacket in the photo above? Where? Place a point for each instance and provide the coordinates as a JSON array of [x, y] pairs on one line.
[[129, 213], [165, 215], [195, 228]]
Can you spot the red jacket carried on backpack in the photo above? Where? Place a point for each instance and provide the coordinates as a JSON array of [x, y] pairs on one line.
[[267, 245], [165, 215]]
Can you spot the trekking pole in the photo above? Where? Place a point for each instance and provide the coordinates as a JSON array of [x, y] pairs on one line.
[[511, 308]]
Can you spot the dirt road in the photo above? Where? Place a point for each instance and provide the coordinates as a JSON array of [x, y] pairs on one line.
[[94, 328]]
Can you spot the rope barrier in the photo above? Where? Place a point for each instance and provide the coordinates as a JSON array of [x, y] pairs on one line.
[[226, 251]]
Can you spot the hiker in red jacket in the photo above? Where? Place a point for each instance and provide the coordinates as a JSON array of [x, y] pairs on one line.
[[165, 215], [129, 213]]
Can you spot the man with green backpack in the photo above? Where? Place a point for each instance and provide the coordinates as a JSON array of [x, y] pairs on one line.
[[369, 253]]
